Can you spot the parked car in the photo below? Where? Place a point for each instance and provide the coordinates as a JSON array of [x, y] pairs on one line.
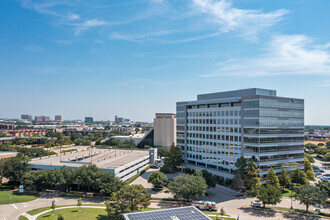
[[322, 171], [154, 166], [327, 175], [318, 174], [326, 178]]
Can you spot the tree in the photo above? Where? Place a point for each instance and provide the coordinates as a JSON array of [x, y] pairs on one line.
[[310, 195], [79, 203], [309, 170], [241, 164], [222, 211], [16, 167], [324, 185], [328, 144], [309, 157], [129, 198], [284, 179], [3, 134], [2, 167], [268, 194], [188, 186], [272, 179], [60, 217], [327, 156], [237, 182], [174, 158], [209, 178], [163, 152], [320, 144], [298, 177], [157, 178], [251, 178], [53, 207]]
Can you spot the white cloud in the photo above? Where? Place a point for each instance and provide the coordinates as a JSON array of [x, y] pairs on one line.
[[89, 24], [249, 23], [72, 16], [139, 37], [286, 54]]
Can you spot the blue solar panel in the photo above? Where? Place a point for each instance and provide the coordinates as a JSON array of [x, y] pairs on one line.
[[184, 213]]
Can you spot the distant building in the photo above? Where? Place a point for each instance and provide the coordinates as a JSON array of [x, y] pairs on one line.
[[89, 120], [41, 118], [118, 119], [165, 129], [59, 118], [6, 127], [126, 120], [26, 117]]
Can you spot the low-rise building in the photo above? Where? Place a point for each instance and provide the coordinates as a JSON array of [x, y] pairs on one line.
[[123, 163]]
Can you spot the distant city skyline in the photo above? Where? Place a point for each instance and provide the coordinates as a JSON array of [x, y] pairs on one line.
[[139, 57]]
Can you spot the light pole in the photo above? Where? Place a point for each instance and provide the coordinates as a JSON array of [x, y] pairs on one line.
[[291, 195]]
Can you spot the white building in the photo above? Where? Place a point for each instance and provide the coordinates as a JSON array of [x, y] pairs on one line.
[[218, 128], [123, 163], [165, 129]]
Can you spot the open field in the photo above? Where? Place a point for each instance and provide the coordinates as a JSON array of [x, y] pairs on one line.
[[315, 142], [73, 213], [9, 197]]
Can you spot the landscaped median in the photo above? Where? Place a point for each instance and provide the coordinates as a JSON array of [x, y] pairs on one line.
[[9, 197], [130, 180]]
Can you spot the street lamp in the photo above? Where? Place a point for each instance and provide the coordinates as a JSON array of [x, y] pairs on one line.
[[291, 195]]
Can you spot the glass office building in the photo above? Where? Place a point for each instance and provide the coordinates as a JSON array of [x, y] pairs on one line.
[[218, 128]]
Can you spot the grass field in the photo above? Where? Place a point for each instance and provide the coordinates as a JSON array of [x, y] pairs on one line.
[[22, 218], [37, 211], [316, 142], [8, 197], [73, 213], [287, 193]]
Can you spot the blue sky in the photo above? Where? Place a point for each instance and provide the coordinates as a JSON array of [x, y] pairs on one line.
[[135, 58]]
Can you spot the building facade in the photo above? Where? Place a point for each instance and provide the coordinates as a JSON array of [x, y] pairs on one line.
[[218, 128], [41, 118], [26, 117], [165, 129], [59, 118], [118, 119], [89, 120]]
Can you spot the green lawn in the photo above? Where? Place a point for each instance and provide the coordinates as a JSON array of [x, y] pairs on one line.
[[217, 218], [287, 193], [21, 217], [37, 211], [16, 197], [73, 213]]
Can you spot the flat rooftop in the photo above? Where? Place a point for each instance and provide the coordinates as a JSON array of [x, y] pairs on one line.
[[236, 93], [102, 158], [6, 153]]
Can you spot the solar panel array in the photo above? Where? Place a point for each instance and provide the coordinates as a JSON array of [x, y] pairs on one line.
[[185, 213]]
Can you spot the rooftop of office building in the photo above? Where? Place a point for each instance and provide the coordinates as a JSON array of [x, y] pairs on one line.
[[102, 158]]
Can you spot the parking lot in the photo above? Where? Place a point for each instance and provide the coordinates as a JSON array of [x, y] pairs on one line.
[[321, 171]]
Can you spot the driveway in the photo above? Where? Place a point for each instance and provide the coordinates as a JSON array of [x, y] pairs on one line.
[[143, 180]]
